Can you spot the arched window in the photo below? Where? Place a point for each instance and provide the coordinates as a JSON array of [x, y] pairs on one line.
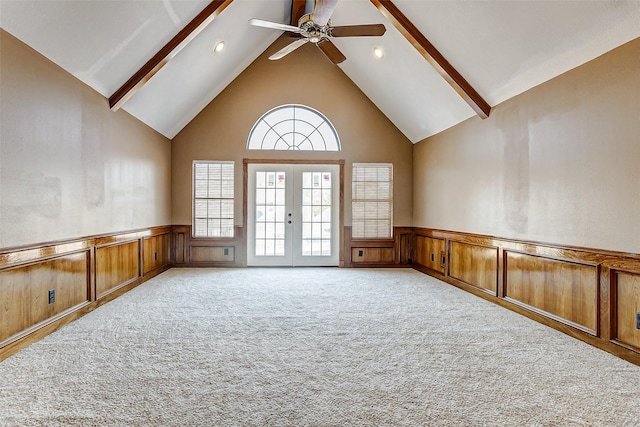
[[293, 127]]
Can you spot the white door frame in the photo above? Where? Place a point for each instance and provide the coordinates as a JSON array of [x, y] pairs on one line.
[[340, 187]]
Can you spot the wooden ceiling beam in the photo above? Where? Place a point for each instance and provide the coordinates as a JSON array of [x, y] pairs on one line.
[[171, 49], [297, 10], [433, 56]]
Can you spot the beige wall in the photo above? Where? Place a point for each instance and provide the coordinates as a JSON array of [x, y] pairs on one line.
[[559, 163], [306, 77], [70, 167]]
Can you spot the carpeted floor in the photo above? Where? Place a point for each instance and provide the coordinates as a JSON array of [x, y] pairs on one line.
[[312, 347]]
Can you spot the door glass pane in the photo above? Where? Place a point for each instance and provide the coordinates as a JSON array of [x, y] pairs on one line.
[[270, 213], [326, 247], [316, 213]]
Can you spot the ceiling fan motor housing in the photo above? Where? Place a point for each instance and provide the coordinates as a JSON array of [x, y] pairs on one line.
[[309, 29]]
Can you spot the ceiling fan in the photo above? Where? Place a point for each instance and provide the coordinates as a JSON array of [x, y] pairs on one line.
[[315, 27]]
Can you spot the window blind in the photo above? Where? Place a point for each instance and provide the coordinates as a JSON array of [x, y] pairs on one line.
[[372, 201], [213, 199]]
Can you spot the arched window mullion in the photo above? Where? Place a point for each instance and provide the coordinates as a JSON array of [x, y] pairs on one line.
[[272, 128], [289, 113], [308, 137]]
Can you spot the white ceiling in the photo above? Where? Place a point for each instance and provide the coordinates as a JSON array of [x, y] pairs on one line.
[[502, 48]]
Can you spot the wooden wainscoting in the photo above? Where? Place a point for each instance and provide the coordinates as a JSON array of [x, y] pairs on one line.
[[430, 253], [189, 251], [625, 308], [395, 252], [475, 265], [156, 251], [78, 275], [566, 291], [117, 265], [25, 289], [590, 294]]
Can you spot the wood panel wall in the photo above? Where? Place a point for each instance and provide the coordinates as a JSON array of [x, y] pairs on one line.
[[590, 294], [117, 265], [565, 290], [625, 308], [189, 251], [430, 253], [395, 252], [81, 274], [156, 251], [473, 264], [24, 292]]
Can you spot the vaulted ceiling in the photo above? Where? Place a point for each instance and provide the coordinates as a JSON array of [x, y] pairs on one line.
[[501, 48]]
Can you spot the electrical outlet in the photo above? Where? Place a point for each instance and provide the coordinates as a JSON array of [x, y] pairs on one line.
[[226, 251], [52, 296], [360, 253], [638, 320]]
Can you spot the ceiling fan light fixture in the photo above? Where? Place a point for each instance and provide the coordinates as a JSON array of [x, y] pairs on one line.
[[218, 47], [378, 52], [315, 36]]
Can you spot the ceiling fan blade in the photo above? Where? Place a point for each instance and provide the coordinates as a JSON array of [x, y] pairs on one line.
[[331, 51], [322, 11], [358, 30], [273, 25], [288, 49]]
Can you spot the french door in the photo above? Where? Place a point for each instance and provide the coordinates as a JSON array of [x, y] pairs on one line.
[[293, 215]]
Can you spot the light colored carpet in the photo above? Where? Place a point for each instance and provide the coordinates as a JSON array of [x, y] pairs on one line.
[[312, 347]]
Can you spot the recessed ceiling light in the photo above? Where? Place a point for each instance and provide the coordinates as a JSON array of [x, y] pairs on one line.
[[378, 52], [218, 47]]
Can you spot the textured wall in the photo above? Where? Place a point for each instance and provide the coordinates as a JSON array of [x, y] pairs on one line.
[[559, 163], [70, 167], [306, 77]]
